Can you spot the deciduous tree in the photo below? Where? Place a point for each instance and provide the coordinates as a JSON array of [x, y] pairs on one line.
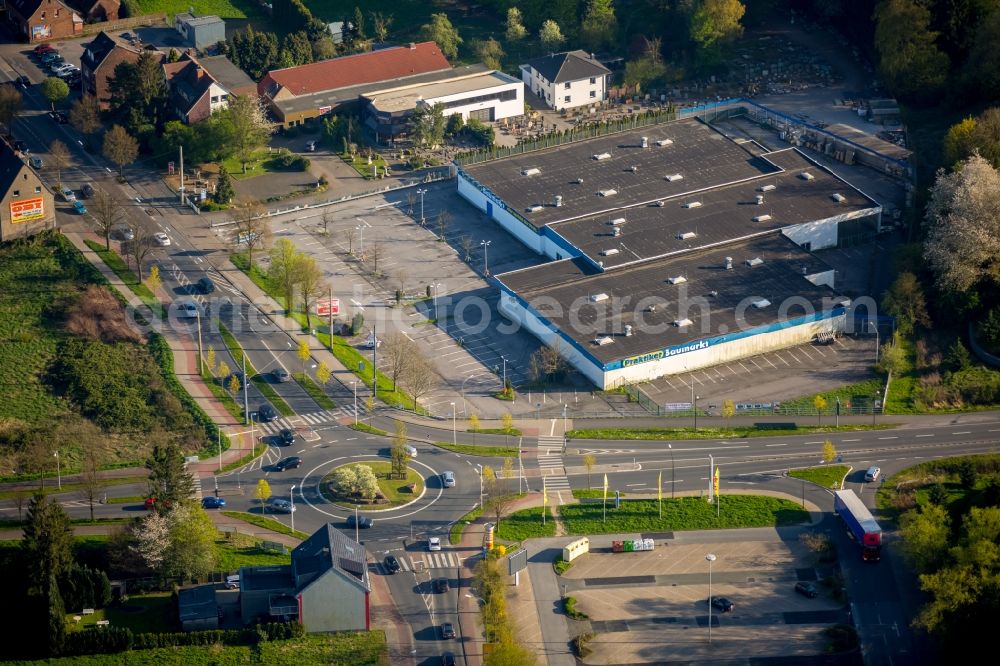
[[85, 116], [589, 461], [191, 552], [599, 25], [550, 35], [262, 492], [152, 538], [169, 481], [515, 30], [54, 90], [419, 379], [715, 21], [926, 536], [311, 285], [728, 411], [905, 301], [120, 148], [59, 158], [380, 25], [282, 273], [251, 226], [819, 402], [490, 53], [11, 103], [250, 126], [909, 59], [443, 33], [829, 452]]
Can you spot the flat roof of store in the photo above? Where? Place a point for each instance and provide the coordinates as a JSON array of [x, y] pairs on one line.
[[406, 97], [700, 154], [723, 214], [711, 296]]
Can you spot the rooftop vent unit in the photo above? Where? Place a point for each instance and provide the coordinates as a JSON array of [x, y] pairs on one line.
[[839, 198], [602, 156], [535, 209], [805, 175], [609, 253], [805, 271], [761, 218], [843, 303], [644, 142], [616, 232], [756, 261], [674, 177], [557, 202], [533, 171], [713, 293], [761, 303], [766, 188], [691, 204], [578, 181], [660, 204], [729, 263], [650, 308], [604, 340], [597, 298], [681, 323], [664, 142], [687, 235], [677, 280], [628, 330], [617, 222], [760, 199], [607, 193], [633, 169]]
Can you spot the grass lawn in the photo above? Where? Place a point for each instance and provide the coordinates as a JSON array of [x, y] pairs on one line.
[[266, 523], [849, 395], [394, 490], [53, 487], [683, 513], [314, 390], [233, 557], [221, 8], [262, 163], [527, 524], [222, 394], [260, 381], [595, 493], [128, 499], [360, 164], [144, 613], [455, 537], [117, 264], [257, 450], [364, 427], [827, 476], [474, 450], [513, 432], [712, 433]]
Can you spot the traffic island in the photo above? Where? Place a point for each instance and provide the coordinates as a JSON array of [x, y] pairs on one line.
[[375, 488]]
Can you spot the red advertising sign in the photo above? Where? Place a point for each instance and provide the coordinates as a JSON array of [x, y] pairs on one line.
[[324, 307], [27, 210]]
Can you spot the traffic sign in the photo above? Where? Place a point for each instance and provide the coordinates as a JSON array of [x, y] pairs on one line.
[[325, 306], [517, 561]]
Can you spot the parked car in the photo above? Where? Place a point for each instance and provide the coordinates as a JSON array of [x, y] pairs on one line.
[[434, 544], [122, 232], [447, 630], [266, 413], [448, 479], [161, 239], [286, 436], [722, 604], [278, 505], [233, 582], [205, 285], [87, 190], [69, 195], [291, 462], [23, 81], [42, 49], [448, 659], [807, 589], [35, 161], [373, 342], [213, 502], [360, 521], [79, 207], [187, 310], [280, 375], [51, 56], [440, 585], [391, 564]]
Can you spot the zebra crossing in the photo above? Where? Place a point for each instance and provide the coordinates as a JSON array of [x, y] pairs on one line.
[[442, 560], [310, 419], [550, 462]]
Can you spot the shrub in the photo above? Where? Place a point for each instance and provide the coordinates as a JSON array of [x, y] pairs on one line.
[[580, 647], [98, 640], [967, 474], [937, 494], [357, 323]]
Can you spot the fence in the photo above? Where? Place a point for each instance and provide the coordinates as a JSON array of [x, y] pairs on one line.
[[121, 24]]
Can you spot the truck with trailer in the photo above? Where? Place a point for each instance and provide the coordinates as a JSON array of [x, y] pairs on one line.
[[860, 523]]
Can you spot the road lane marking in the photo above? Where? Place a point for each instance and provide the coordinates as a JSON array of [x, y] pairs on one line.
[[925, 435], [766, 445], [850, 440], [962, 432], [888, 437]]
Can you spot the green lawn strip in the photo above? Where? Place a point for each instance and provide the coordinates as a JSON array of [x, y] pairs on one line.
[[394, 490], [713, 433], [476, 450], [114, 261], [595, 493], [848, 395], [145, 613], [222, 8], [526, 524], [261, 163], [683, 513], [360, 164], [265, 523], [128, 499], [231, 557], [363, 648], [314, 390], [348, 356], [80, 522], [52, 488], [458, 528], [257, 450], [259, 380], [221, 394], [513, 432], [364, 427], [827, 476]]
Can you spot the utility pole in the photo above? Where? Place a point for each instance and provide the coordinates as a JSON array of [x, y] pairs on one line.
[[331, 319], [181, 190], [197, 312], [246, 397]]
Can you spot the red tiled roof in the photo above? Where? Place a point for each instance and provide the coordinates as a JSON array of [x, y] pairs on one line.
[[353, 70]]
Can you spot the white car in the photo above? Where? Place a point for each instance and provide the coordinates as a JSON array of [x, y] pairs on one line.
[[434, 544], [161, 239], [65, 69], [187, 310], [68, 194], [448, 479], [410, 450], [373, 342]]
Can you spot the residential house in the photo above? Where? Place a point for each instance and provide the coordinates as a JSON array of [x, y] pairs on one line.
[[567, 80], [326, 587], [200, 87], [98, 63], [201, 32], [298, 94], [26, 205], [197, 608], [98, 10], [40, 20]]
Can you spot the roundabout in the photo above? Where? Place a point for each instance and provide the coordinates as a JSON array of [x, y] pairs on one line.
[[391, 493]]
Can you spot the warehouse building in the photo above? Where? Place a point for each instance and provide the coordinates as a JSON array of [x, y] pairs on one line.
[[676, 248]]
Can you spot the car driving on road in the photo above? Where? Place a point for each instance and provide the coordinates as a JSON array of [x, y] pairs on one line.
[[266, 413], [391, 564], [286, 436], [212, 502], [278, 505], [448, 479], [291, 462], [360, 521], [434, 543], [280, 375]]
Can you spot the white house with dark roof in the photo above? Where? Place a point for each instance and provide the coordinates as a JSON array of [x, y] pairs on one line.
[[567, 80]]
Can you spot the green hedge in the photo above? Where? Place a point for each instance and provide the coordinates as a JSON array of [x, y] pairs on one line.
[[160, 350], [120, 639]]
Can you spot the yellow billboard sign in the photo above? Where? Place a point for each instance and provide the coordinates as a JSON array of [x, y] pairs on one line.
[[27, 210]]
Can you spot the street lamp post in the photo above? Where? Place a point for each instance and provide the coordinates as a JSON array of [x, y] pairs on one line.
[[669, 446], [696, 411], [421, 192], [454, 425], [58, 471], [504, 359], [711, 558], [486, 256], [357, 525], [361, 245], [291, 501], [354, 383], [479, 468], [872, 325], [435, 286]]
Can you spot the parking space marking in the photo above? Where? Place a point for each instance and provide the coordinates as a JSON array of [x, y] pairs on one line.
[[744, 367], [768, 361], [792, 354], [755, 363], [669, 383]]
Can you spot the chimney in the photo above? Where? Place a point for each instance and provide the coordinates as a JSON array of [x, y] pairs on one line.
[[628, 330], [729, 263], [413, 46], [760, 199]]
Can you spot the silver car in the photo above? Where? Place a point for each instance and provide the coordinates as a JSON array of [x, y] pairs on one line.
[[448, 479], [278, 505]]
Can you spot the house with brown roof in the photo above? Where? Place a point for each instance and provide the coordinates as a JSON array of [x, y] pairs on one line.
[[26, 205], [298, 94], [98, 10], [200, 87], [98, 63], [41, 20]]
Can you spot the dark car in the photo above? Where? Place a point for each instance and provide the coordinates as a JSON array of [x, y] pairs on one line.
[[266, 413], [87, 190], [391, 564], [212, 502], [42, 49], [722, 604], [361, 521], [291, 462], [59, 117], [280, 375], [205, 285], [807, 590], [286, 436], [23, 81], [447, 630], [440, 584], [448, 659]]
